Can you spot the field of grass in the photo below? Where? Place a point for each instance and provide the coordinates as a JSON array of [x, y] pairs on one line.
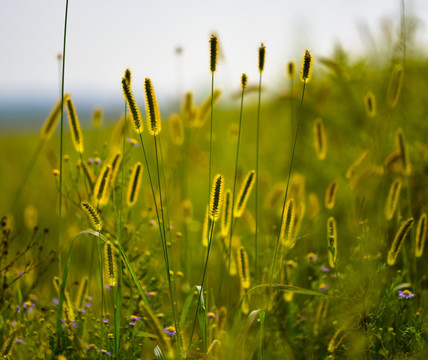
[[318, 253]]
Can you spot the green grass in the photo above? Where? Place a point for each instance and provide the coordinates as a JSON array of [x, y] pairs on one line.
[[307, 305]]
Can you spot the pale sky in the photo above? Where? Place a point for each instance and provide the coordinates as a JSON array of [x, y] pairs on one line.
[[106, 36]]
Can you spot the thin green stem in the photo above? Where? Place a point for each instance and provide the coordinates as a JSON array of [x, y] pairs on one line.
[[285, 200], [164, 239], [61, 142], [257, 175], [234, 191], [202, 288], [211, 135]]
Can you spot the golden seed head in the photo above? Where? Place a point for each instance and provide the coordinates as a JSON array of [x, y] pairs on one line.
[[291, 69], [132, 105], [49, 126], [213, 52], [128, 76], [244, 193], [244, 80], [97, 118], [93, 215], [262, 54], [306, 70], [76, 132], [152, 108], [398, 241], [421, 234], [216, 197], [134, 184], [370, 104]]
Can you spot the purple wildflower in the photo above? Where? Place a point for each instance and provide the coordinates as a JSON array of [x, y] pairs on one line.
[[405, 294]]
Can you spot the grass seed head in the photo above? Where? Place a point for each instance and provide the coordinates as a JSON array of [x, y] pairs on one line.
[[152, 108], [306, 70], [213, 53], [262, 55]]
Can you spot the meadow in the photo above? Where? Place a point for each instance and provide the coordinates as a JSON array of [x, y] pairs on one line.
[[283, 227]]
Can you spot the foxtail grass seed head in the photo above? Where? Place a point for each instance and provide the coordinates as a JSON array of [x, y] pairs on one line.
[[262, 55], [152, 108], [76, 132], [68, 308], [332, 241], [355, 166], [392, 199], [421, 235], [110, 266], [132, 106], [30, 217], [286, 233], [188, 110], [395, 85], [82, 293], [203, 112], [101, 186], [291, 69], [244, 81], [226, 215], [319, 139], [97, 118], [176, 129], [115, 161], [213, 53], [398, 241], [49, 126], [187, 210], [370, 104], [134, 184], [88, 173], [127, 76], [205, 229], [330, 195], [336, 341], [306, 70], [8, 345], [121, 129], [244, 194], [216, 197], [93, 215], [243, 268], [402, 149]]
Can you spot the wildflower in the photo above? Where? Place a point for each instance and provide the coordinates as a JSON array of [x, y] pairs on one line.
[[98, 161], [323, 286], [325, 269], [180, 274], [18, 340], [153, 223], [29, 306], [151, 293], [55, 301], [105, 352], [90, 347], [211, 315], [55, 172], [133, 141], [88, 305], [91, 160], [405, 294], [134, 320], [105, 320], [170, 330], [110, 336], [311, 257]]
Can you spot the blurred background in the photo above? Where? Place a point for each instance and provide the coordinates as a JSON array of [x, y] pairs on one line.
[[168, 41]]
